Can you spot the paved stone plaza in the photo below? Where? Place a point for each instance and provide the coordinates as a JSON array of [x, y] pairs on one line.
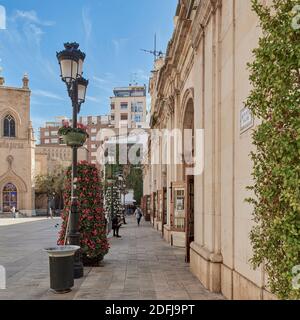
[[140, 265]]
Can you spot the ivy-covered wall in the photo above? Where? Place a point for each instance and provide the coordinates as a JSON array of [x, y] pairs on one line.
[[275, 101]]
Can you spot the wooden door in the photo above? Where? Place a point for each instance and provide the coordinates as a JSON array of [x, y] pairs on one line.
[[189, 226]]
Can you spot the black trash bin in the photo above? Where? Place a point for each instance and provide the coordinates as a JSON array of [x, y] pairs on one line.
[[61, 263]]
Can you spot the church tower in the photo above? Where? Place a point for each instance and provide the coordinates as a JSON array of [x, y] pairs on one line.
[[16, 149]]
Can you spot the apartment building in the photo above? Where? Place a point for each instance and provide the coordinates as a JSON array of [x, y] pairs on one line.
[[129, 107], [49, 133], [94, 124]]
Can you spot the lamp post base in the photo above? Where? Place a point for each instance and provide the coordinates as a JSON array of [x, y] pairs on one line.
[[78, 265], [78, 270]]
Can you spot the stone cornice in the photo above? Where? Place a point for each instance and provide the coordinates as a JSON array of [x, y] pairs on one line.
[[203, 13], [15, 89], [176, 44]]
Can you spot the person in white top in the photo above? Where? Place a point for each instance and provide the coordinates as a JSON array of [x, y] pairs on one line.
[[13, 211], [138, 214]]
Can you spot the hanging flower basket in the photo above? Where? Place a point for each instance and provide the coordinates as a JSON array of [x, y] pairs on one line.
[[74, 139]]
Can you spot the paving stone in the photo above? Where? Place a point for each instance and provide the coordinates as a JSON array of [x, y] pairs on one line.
[[139, 266]]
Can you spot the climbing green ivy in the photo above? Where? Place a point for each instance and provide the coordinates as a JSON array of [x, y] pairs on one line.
[[275, 101]]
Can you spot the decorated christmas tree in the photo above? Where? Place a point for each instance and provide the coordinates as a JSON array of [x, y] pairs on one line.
[[93, 239], [112, 201]]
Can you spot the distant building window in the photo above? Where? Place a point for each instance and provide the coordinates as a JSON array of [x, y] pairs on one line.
[[138, 93], [9, 126], [54, 133], [93, 138], [47, 141], [124, 105], [137, 107], [113, 118], [124, 116], [54, 140], [112, 106], [137, 118], [122, 94], [94, 120], [9, 197], [94, 146], [94, 130], [46, 133], [84, 120]]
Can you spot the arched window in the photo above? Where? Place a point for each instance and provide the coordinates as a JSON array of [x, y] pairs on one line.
[[9, 197], [9, 126]]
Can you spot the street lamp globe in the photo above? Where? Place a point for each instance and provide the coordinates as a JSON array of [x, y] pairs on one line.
[[82, 86], [71, 62]]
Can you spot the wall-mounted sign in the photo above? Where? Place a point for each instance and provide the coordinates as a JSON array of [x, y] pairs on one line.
[[246, 120]]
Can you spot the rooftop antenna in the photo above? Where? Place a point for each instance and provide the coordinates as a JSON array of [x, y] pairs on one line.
[[156, 54], [134, 79]]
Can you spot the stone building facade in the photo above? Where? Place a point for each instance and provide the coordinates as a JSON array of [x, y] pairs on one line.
[[50, 158], [16, 149], [201, 85]]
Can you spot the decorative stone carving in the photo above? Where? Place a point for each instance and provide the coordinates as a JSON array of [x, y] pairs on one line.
[[10, 160]]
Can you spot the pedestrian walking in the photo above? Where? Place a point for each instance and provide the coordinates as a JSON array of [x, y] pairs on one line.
[[138, 214], [13, 211], [116, 224], [51, 212], [124, 216]]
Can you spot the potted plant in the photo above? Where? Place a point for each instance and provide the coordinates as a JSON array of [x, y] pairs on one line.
[[73, 137]]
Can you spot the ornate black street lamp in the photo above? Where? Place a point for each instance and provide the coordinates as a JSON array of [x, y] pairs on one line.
[[71, 66]]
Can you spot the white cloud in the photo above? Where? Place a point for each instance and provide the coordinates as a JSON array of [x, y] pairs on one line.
[[33, 33], [29, 24], [100, 80], [103, 84], [47, 94], [143, 75], [119, 45], [87, 22], [31, 16], [93, 99]]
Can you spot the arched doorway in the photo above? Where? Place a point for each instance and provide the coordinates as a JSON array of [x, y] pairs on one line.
[[9, 197], [188, 152]]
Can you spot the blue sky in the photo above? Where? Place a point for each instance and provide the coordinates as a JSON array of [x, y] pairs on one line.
[[110, 32]]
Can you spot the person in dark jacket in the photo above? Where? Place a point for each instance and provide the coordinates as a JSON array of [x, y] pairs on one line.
[[138, 214], [116, 223]]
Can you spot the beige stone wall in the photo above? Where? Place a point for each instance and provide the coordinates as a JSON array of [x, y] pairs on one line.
[[50, 158], [17, 153], [206, 61]]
